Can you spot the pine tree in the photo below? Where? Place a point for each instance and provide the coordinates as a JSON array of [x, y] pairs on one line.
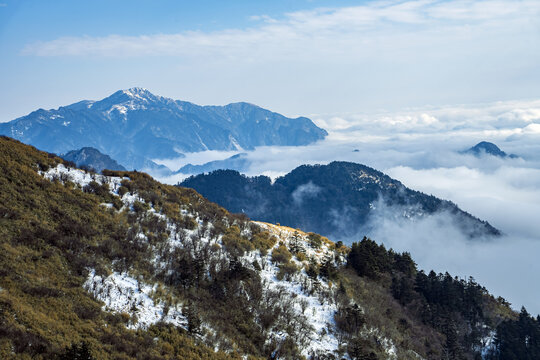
[[77, 352], [192, 317]]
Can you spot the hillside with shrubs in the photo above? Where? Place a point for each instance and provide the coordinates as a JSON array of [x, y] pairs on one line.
[[119, 266]]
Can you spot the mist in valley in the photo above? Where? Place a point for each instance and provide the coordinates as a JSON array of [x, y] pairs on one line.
[[423, 149]]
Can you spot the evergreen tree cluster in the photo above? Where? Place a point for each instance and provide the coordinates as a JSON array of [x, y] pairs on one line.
[[517, 339], [458, 308], [372, 260]]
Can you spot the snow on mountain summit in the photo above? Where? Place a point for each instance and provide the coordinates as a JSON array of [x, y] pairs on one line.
[[135, 126], [133, 98]]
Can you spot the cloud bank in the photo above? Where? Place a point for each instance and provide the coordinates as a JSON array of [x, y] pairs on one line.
[[421, 148], [506, 266]]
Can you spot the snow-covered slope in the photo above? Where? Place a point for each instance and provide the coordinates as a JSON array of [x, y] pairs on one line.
[[124, 294], [308, 303]]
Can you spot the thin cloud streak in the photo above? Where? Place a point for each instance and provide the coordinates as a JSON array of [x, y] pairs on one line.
[[391, 27]]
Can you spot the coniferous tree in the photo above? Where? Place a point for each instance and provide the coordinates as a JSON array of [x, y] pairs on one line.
[[192, 317], [77, 352]]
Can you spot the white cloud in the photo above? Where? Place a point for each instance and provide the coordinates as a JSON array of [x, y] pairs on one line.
[[196, 158], [421, 148], [304, 191], [418, 139], [507, 266], [332, 33], [508, 197], [377, 55]]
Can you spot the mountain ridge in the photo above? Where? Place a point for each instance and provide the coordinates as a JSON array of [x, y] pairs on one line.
[[134, 127], [92, 158], [321, 198], [238, 162]]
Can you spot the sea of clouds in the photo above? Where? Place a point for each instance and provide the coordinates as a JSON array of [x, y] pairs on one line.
[[422, 148]]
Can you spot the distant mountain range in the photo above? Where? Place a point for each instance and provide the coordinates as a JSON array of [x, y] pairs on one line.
[[488, 148], [238, 162], [334, 200], [135, 126], [92, 158]]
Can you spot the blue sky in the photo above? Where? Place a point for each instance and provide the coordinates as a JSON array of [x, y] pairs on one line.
[[294, 57]]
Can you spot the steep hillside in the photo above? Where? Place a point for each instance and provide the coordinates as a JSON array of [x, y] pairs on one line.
[[119, 266], [335, 199], [93, 159], [135, 126]]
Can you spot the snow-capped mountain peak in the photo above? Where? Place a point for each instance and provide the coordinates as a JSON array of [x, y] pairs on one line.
[[133, 99], [121, 123], [140, 94]]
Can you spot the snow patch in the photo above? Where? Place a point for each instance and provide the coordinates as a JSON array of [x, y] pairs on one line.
[[320, 310], [122, 293], [235, 143], [488, 344], [80, 177]]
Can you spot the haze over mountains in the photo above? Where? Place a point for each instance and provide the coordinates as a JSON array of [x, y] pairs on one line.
[[135, 126], [238, 162], [335, 200]]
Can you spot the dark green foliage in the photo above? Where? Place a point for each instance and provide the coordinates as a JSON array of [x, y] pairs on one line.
[[452, 294], [349, 319], [95, 188], [457, 308], [122, 190], [312, 271], [452, 301], [403, 289], [193, 319], [361, 349], [328, 270], [295, 243], [404, 263], [369, 259], [314, 240], [517, 339], [77, 352]]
